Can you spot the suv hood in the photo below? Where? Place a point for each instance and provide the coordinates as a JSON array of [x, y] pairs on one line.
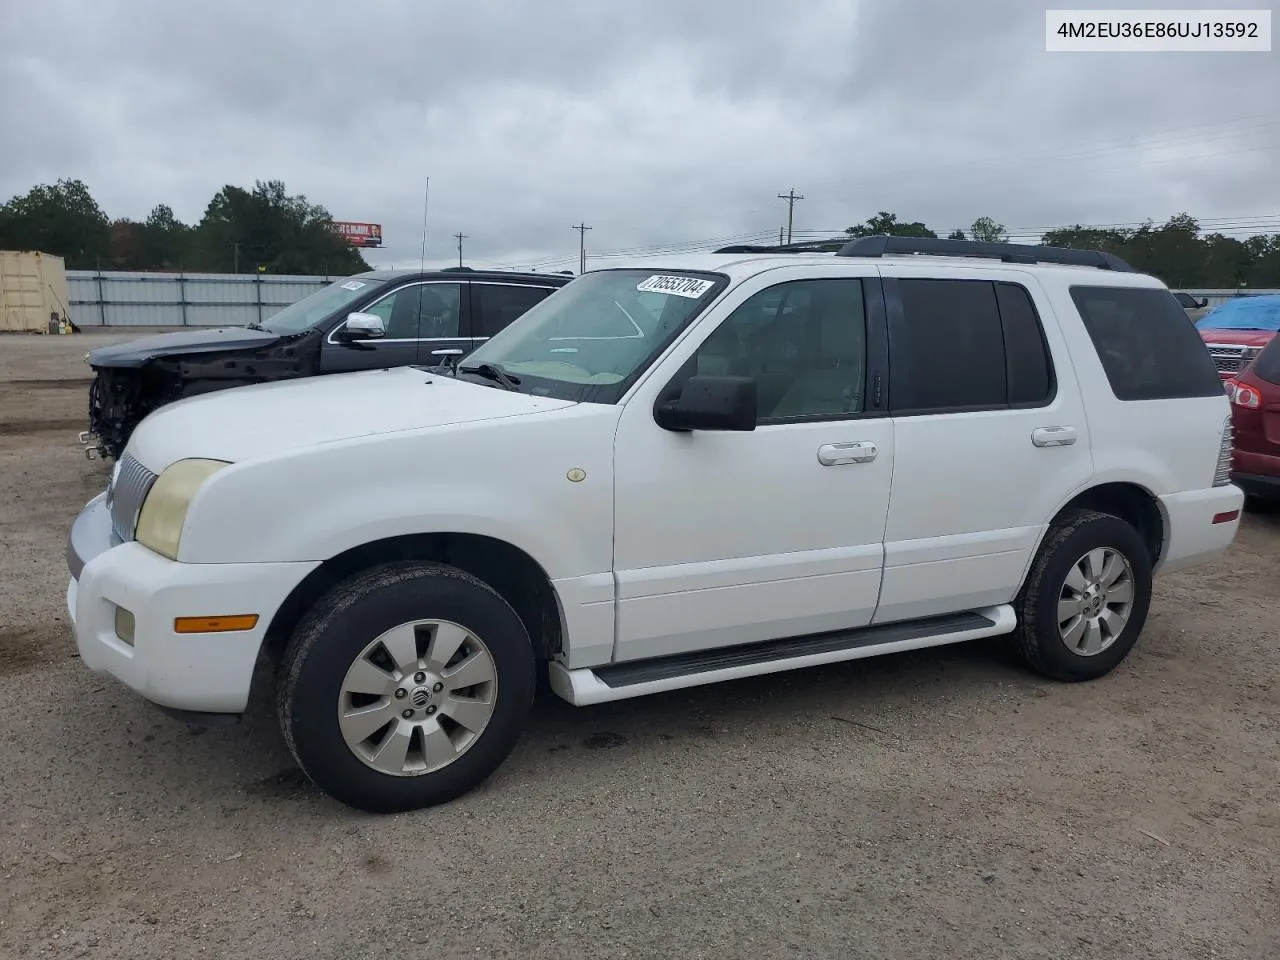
[[264, 419], [135, 353], [1242, 338]]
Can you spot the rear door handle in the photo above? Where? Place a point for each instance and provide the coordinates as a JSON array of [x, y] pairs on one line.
[[1053, 436], [450, 352], [835, 454]]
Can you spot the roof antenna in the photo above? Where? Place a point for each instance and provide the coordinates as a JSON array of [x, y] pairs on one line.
[[426, 193]]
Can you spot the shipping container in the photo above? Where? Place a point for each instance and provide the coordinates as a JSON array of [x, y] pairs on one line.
[[34, 296]]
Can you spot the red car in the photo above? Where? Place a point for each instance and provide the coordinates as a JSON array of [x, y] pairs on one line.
[[1236, 331], [1255, 415]]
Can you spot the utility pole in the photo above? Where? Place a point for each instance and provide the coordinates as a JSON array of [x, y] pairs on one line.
[[780, 230], [582, 229], [461, 237], [791, 197]]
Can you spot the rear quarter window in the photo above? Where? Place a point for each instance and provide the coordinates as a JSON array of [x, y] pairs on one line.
[[1147, 348]]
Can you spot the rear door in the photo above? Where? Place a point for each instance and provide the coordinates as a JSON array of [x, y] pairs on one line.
[[496, 303], [987, 442]]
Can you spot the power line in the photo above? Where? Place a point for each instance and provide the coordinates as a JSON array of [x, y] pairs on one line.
[[460, 236], [1256, 224], [791, 197], [582, 229]]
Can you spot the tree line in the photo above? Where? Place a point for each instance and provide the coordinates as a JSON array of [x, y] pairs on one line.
[[263, 229], [1177, 252]]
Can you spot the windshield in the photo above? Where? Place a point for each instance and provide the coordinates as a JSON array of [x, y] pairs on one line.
[[307, 312], [593, 337], [1244, 313]]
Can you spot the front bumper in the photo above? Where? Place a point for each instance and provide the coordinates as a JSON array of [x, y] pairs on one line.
[[200, 672]]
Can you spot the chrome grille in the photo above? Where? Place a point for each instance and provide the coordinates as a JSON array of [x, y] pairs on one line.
[[129, 487], [1227, 357]]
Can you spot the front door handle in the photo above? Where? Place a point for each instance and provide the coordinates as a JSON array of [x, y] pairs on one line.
[[835, 454], [1053, 436]]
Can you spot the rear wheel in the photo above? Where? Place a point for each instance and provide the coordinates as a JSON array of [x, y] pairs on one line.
[[1086, 599], [406, 686]]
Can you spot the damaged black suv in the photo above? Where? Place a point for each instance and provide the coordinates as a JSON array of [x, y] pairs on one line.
[[384, 318]]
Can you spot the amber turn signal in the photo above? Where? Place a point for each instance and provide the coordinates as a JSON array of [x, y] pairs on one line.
[[244, 621]]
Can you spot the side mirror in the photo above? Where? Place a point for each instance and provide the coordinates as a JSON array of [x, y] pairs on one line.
[[1202, 302], [710, 403], [361, 326]]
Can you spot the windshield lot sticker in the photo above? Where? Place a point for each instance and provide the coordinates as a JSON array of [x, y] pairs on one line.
[[352, 285], [690, 287]]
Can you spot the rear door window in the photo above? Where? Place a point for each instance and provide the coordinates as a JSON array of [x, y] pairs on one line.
[[1146, 346], [498, 304]]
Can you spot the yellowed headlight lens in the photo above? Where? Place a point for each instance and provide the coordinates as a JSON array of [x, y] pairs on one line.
[[165, 509]]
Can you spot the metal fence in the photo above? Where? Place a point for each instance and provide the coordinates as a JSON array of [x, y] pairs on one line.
[[115, 298]]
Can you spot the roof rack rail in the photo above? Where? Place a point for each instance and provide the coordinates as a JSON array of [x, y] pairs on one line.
[[806, 246], [879, 246]]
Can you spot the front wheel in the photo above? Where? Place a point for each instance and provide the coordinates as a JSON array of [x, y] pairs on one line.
[[1086, 598], [405, 687]]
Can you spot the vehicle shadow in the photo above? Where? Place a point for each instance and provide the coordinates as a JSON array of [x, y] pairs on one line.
[[561, 738]]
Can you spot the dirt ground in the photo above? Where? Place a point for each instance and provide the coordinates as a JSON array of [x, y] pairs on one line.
[[941, 804]]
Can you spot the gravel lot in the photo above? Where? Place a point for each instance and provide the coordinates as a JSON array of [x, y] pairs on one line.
[[937, 804]]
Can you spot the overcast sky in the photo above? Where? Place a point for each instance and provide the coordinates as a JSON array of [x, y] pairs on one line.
[[663, 124]]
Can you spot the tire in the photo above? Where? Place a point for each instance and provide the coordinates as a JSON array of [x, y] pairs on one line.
[[330, 652], [1039, 637]]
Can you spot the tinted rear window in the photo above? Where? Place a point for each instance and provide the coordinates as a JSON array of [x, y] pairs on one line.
[[1147, 348], [948, 354], [1267, 366]]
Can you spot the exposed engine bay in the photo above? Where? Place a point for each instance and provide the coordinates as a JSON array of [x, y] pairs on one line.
[[124, 392]]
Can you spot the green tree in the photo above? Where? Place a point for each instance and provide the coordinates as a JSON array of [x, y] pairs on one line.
[[62, 219], [166, 240], [956, 234], [1173, 252], [888, 224], [267, 227], [988, 231], [1227, 262]]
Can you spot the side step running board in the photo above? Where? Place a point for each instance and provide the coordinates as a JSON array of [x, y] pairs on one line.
[[620, 681]]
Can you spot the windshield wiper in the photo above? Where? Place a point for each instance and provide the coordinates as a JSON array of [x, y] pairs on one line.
[[254, 326], [491, 372]]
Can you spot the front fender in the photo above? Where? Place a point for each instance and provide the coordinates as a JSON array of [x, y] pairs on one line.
[[507, 479]]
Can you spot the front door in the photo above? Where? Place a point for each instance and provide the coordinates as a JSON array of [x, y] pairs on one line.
[[420, 319], [730, 538]]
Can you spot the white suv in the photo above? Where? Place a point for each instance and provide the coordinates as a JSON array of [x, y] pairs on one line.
[[662, 476]]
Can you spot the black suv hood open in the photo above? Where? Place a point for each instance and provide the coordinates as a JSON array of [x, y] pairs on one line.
[[135, 353]]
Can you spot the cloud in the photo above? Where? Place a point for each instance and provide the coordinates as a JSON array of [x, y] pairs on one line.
[[658, 124]]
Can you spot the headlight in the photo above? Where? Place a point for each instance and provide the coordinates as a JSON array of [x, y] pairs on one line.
[[165, 509]]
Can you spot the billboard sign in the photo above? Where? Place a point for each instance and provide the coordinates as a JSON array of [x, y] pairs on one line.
[[359, 234]]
